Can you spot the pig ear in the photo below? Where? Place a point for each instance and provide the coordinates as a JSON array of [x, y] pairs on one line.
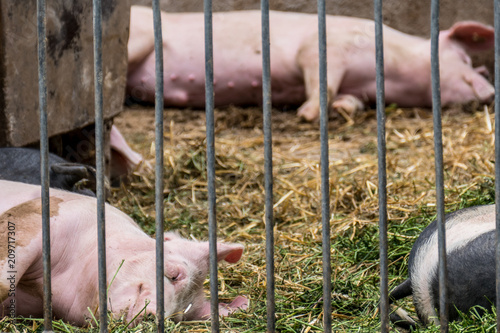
[[473, 36], [229, 252]]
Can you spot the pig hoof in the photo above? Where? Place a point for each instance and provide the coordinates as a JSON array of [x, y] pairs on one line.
[[239, 303], [346, 106], [348, 103], [308, 112]]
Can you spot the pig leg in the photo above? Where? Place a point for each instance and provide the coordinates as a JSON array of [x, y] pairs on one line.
[[203, 312], [307, 59], [14, 287], [240, 302], [124, 160], [6, 285], [347, 105], [141, 38]]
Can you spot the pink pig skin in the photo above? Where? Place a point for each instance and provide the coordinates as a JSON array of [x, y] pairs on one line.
[[294, 61], [74, 261], [123, 159]]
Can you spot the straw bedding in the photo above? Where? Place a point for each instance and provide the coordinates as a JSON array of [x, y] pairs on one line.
[[468, 145]]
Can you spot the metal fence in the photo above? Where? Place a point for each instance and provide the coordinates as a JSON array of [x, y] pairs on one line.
[[98, 77]]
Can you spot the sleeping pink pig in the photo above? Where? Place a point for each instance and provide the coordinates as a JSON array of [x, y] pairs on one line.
[[74, 261], [294, 61]]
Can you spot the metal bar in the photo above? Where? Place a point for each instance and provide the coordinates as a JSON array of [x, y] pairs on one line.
[[44, 167], [382, 168], [209, 110], [268, 166], [99, 150], [497, 154], [325, 181], [438, 152], [160, 286]]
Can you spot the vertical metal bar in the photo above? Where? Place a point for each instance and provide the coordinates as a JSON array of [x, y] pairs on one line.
[[44, 167], [497, 154], [99, 134], [325, 181], [382, 168], [438, 152], [268, 165], [160, 287], [209, 110]]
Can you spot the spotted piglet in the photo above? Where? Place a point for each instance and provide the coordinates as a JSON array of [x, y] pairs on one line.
[[73, 230], [470, 250]]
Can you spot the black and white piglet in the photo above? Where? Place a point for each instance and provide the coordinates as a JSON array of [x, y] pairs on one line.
[[23, 165], [470, 249]]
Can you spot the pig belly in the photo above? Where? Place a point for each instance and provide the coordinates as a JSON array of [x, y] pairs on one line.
[[235, 83], [237, 62]]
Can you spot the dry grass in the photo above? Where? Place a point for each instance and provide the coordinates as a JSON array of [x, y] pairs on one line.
[[468, 159]]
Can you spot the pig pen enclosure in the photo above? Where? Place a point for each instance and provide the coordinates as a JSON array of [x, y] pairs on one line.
[[469, 168]]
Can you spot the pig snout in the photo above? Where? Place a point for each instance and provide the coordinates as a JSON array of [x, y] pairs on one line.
[[175, 273], [482, 90], [179, 274], [468, 86]]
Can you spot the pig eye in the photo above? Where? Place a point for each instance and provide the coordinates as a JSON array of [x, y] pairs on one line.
[[465, 59]]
